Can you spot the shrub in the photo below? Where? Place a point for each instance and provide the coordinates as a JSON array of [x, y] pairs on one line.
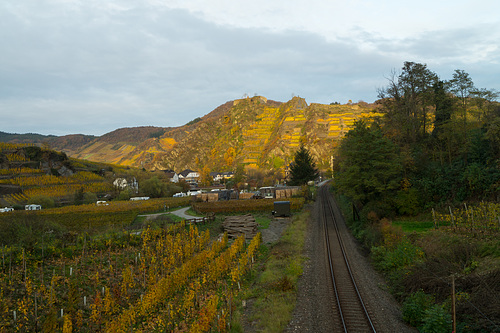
[[42, 200], [414, 307], [403, 255], [380, 208], [124, 195], [89, 197], [436, 320], [407, 202], [392, 235]]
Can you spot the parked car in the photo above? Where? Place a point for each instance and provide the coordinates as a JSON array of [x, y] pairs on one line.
[[6, 209]]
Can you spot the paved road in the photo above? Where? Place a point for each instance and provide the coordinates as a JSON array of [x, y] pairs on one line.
[[179, 212], [182, 213]]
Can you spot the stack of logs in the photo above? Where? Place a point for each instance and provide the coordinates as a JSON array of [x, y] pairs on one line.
[[240, 225]]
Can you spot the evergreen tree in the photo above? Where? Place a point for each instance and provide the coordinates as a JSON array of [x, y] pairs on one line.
[[303, 168]]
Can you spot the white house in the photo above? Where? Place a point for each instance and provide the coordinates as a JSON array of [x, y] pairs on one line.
[[122, 183], [216, 176], [189, 176], [32, 207], [219, 176], [172, 175]]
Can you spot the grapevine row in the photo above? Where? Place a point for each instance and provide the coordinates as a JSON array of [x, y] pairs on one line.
[[482, 217]]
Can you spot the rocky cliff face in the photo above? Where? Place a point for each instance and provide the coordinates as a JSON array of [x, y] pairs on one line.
[[256, 132]]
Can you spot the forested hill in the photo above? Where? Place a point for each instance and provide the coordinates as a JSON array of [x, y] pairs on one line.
[[252, 131], [67, 143]]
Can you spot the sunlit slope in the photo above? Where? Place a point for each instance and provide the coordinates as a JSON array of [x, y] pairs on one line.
[[253, 131]]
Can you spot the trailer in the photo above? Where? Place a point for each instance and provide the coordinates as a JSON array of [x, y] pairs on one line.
[[281, 209]]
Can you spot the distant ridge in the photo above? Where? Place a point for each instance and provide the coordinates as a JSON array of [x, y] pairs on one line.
[[253, 131]]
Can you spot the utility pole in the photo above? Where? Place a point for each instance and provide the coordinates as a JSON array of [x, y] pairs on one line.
[[331, 164], [453, 310]]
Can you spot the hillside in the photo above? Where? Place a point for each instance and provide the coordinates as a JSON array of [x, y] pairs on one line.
[[256, 132], [28, 171], [67, 143]]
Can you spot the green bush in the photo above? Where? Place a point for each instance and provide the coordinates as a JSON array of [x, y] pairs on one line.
[[89, 197], [124, 195], [414, 307], [403, 255], [436, 320], [42, 200], [381, 208], [407, 202]]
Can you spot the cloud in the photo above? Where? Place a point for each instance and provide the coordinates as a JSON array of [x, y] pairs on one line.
[[91, 66]]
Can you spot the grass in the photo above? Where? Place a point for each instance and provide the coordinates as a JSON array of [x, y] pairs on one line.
[[414, 226], [262, 220], [272, 287], [420, 223]]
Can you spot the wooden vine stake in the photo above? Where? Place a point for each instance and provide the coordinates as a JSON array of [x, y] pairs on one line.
[[472, 219], [452, 218]]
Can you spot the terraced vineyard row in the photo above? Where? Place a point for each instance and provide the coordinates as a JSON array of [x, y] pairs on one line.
[[257, 135], [162, 280]]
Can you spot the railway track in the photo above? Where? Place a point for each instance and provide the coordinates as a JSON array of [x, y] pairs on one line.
[[352, 313]]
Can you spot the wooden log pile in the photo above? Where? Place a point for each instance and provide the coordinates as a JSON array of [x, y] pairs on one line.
[[208, 197], [240, 225], [287, 192], [246, 195]]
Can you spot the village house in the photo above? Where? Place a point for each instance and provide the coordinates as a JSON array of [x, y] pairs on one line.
[[122, 183], [189, 176], [219, 177], [172, 175]]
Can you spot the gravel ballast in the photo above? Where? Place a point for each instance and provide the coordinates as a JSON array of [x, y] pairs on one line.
[[315, 299]]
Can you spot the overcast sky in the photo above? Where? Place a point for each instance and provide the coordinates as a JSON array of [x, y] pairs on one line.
[[93, 66]]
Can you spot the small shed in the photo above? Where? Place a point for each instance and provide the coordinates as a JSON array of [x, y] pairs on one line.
[[281, 208]]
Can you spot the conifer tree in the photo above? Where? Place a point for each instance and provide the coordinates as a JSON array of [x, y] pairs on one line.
[[303, 168]]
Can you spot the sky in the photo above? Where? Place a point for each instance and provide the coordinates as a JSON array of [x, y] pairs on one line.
[[93, 66]]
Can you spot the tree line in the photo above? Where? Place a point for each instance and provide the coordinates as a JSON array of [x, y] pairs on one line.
[[437, 142]]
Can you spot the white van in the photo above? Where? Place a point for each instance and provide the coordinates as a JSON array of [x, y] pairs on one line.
[[32, 207]]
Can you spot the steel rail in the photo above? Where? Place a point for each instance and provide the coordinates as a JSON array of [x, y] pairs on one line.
[[328, 210]]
